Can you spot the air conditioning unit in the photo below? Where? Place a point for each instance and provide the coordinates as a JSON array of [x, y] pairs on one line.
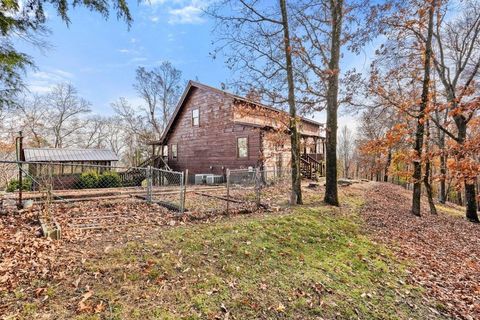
[[214, 179], [200, 178]]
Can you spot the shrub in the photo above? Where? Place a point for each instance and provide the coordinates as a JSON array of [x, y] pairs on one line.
[[14, 185], [88, 179], [109, 179]]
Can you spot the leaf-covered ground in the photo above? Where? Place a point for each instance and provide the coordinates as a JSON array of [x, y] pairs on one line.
[[444, 250], [312, 262]]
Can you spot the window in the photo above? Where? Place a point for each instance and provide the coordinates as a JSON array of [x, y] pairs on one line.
[[242, 147], [174, 151], [195, 117], [165, 151]]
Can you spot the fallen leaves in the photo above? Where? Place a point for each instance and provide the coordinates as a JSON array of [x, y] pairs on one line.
[[24, 255], [445, 250]]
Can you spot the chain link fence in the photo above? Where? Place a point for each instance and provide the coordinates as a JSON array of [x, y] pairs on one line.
[[167, 189], [239, 190], [244, 190], [28, 182], [268, 189]]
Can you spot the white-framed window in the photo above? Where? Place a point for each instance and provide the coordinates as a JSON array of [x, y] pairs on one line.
[[195, 117], [165, 151], [242, 147], [174, 151]]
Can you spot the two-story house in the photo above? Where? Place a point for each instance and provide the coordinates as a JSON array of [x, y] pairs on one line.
[[212, 130]]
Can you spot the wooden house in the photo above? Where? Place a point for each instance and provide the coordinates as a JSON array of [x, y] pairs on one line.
[[212, 130]]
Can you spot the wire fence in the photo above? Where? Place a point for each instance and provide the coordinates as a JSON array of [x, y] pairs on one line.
[[167, 189], [50, 185], [29, 182], [241, 191]]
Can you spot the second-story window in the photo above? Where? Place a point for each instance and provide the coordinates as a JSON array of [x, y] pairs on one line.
[[242, 147], [195, 117], [174, 151]]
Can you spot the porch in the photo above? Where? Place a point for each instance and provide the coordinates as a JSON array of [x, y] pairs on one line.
[[312, 157]]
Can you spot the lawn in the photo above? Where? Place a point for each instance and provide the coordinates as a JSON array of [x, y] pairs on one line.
[[310, 263]]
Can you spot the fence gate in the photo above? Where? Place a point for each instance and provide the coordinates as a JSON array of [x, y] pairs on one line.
[[167, 188]]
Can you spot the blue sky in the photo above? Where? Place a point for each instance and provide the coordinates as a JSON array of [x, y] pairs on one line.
[[100, 56]]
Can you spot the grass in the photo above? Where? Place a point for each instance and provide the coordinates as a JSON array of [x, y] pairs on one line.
[[455, 211], [308, 264], [313, 262]]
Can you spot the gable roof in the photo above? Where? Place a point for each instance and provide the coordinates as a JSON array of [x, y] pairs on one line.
[[191, 84], [68, 155]]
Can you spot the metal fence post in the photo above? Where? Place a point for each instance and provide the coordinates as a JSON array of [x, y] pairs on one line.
[[182, 176], [257, 186], [228, 190], [20, 158], [185, 190], [149, 184]]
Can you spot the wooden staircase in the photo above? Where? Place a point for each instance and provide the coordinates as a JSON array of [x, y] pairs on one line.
[[155, 161], [311, 168], [135, 175]]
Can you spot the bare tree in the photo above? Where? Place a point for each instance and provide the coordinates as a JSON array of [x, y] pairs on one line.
[[136, 131], [324, 29], [65, 109], [160, 89], [346, 149], [32, 120], [256, 37], [93, 134]]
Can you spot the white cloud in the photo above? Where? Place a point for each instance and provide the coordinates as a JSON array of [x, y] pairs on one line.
[[39, 89], [43, 81], [190, 14], [178, 11]]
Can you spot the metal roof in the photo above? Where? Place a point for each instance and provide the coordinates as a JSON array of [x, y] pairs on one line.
[[68, 155]]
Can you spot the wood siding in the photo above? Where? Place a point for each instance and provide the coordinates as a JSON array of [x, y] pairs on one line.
[[210, 147]]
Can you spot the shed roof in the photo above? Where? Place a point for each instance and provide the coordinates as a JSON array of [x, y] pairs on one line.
[[68, 155]]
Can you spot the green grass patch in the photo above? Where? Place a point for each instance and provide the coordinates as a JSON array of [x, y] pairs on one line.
[[456, 211], [302, 265]]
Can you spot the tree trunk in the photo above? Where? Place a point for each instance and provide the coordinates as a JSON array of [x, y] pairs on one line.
[[471, 202], [296, 195], [443, 172], [417, 164], [387, 166], [331, 190], [426, 178], [470, 194]]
